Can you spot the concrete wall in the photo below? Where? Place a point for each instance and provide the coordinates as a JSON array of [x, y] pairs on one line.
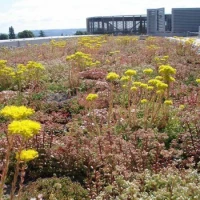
[[169, 34], [24, 42]]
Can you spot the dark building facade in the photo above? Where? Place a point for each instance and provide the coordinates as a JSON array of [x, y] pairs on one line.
[[134, 24], [156, 22], [181, 22], [185, 19]]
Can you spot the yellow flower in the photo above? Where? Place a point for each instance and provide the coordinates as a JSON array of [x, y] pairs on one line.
[[25, 128], [154, 81], [125, 78], [171, 79], [198, 80], [148, 71], [130, 72], [161, 86], [16, 112], [27, 155], [133, 88], [160, 92], [168, 102], [152, 47], [143, 101], [150, 88], [34, 65], [91, 97], [137, 83], [112, 76], [143, 85], [166, 70], [181, 107], [166, 57], [159, 78]]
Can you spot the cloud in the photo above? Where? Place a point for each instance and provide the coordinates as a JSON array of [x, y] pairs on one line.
[[38, 14]]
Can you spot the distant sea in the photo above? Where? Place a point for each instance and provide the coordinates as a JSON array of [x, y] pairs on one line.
[[58, 32]]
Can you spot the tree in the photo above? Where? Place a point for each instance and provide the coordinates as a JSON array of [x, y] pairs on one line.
[[80, 33], [3, 36], [11, 33], [41, 33], [25, 34]]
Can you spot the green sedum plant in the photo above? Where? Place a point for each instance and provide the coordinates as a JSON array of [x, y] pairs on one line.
[[170, 184], [54, 188]]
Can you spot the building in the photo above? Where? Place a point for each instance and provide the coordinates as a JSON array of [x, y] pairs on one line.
[[182, 22], [185, 19], [127, 24]]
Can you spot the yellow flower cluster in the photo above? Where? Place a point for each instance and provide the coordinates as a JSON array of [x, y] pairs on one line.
[[125, 40], [159, 84], [34, 65], [148, 71], [133, 88], [3, 63], [161, 60], [25, 128], [159, 78], [137, 83], [198, 80], [168, 102], [113, 52], [128, 77], [5, 71], [27, 155], [190, 41], [150, 38], [150, 88], [16, 112], [31, 70], [181, 107], [20, 72], [112, 76], [130, 72], [78, 55], [60, 43], [82, 59], [153, 82], [92, 42], [152, 47], [91, 97], [144, 85], [160, 92], [166, 69], [143, 101], [125, 78]]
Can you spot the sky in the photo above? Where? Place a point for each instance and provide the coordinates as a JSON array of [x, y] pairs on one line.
[[64, 14]]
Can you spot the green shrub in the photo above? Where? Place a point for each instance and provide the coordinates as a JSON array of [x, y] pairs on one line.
[[54, 188]]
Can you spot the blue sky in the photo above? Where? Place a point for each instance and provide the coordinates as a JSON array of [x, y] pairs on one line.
[[62, 14]]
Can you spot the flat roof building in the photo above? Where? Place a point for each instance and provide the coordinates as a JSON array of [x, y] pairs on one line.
[[181, 22], [185, 19], [125, 24]]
